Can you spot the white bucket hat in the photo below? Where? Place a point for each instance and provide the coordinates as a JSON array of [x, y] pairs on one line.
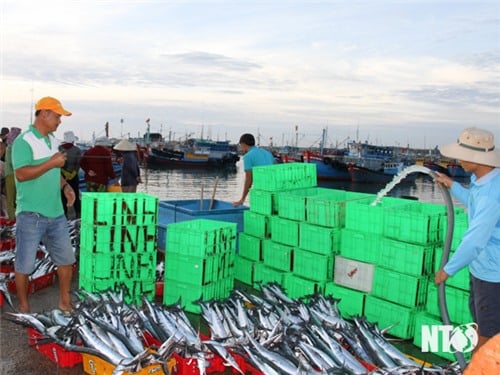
[[69, 137], [474, 145], [125, 145]]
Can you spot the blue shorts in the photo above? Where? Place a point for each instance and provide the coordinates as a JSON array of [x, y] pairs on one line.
[[33, 228], [484, 304]]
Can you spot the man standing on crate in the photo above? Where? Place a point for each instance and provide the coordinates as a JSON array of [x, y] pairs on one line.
[[253, 157], [480, 245], [39, 214]]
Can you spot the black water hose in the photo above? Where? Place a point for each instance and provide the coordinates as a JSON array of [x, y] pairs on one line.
[[446, 252]]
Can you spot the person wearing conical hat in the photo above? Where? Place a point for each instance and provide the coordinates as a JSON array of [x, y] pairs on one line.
[[131, 175], [480, 246]]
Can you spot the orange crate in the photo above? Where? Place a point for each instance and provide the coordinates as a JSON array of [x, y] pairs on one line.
[[94, 365], [188, 366], [55, 352]]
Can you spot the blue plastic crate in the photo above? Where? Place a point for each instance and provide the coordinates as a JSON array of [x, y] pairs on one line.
[[174, 211]]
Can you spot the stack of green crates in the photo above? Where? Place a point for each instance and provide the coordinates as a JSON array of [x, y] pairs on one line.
[[399, 237], [199, 262], [118, 243]]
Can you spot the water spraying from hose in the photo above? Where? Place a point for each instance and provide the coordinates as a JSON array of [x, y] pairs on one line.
[[447, 243]]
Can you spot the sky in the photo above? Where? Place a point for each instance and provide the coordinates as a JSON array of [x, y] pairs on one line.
[[401, 72]]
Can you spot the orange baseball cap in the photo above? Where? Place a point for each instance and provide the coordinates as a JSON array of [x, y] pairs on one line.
[[52, 104]]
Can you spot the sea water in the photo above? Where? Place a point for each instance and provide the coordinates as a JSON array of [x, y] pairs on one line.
[[174, 184]]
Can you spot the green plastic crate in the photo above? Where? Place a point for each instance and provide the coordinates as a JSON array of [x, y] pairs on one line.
[[417, 223], [460, 226], [119, 209], [362, 246], [457, 302], [286, 176], [250, 247], [284, 231], [190, 269], [351, 302], [313, 266], [292, 204], [298, 287], [264, 202], [318, 239], [243, 269], [135, 289], [409, 258], [255, 224], [360, 215], [201, 237], [117, 266], [423, 318], [118, 238], [399, 288], [386, 313], [461, 279], [327, 210], [277, 255], [265, 274]]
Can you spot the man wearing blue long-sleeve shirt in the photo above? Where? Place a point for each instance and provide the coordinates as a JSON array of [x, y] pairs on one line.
[[480, 245]]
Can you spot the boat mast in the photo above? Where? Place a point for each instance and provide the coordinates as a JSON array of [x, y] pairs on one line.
[[323, 140]]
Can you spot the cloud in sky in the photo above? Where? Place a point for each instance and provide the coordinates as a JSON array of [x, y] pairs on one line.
[[393, 72]]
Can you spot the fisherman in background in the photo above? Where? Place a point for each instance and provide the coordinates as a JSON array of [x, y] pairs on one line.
[[70, 170], [480, 246], [131, 174], [253, 157], [39, 214], [10, 181], [97, 164]]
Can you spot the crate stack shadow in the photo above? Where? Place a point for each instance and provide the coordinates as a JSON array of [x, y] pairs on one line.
[[118, 244], [379, 260]]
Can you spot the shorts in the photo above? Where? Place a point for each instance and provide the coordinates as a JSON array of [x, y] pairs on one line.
[[484, 304], [33, 228]]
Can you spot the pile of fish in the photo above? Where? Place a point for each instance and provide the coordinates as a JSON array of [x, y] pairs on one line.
[[102, 325], [43, 263], [279, 335], [271, 332]]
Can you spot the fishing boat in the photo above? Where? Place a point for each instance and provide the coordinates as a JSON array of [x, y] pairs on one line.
[[330, 163], [202, 155], [383, 176], [329, 166]]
